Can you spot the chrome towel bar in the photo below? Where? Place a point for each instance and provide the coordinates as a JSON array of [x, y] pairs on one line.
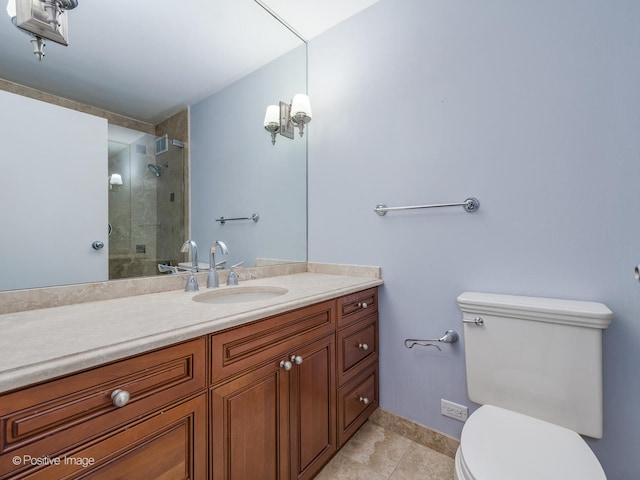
[[470, 205], [255, 217]]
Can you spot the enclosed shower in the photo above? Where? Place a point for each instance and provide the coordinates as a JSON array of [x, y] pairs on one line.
[[147, 209]]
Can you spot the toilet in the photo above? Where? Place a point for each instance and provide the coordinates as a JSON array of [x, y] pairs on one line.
[[535, 367]]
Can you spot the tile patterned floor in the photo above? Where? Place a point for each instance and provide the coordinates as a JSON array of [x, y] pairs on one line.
[[375, 453]]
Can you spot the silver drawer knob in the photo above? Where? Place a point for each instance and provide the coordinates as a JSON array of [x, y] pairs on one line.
[[362, 305], [120, 398], [364, 400], [297, 359], [286, 364], [363, 346]]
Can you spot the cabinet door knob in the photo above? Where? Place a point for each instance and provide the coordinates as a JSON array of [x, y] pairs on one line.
[[120, 398], [297, 359], [286, 364], [362, 305], [363, 346], [364, 400]]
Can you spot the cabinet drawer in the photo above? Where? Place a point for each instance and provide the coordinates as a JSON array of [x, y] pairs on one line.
[[357, 400], [52, 416], [357, 346], [241, 348], [352, 308], [170, 443]]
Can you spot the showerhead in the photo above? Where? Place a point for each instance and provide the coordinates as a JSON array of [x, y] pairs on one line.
[[156, 169]]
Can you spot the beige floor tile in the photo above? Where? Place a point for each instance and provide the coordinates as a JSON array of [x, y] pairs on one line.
[[342, 467], [376, 453], [420, 462], [376, 448]]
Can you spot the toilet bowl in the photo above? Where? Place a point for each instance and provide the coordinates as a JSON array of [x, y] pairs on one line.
[[535, 366], [498, 444]]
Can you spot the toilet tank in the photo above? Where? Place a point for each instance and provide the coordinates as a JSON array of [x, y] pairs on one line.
[[537, 356]]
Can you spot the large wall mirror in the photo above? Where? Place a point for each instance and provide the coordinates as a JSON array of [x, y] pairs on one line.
[[90, 196]]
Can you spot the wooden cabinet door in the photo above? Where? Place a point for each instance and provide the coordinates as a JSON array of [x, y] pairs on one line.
[[250, 425], [313, 407]]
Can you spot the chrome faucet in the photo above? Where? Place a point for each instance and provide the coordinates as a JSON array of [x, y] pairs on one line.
[[192, 281], [212, 279], [232, 279], [190, 246]]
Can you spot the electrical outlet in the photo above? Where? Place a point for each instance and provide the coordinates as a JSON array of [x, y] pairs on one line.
[[453, 410]]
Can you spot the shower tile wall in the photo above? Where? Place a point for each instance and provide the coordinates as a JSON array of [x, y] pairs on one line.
[[172, 200], [133, 212], [149, 213]]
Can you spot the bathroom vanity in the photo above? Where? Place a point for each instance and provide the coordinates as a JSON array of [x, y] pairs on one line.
[[264, 389]]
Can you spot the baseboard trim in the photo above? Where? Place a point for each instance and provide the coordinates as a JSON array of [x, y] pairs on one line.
[[414, 431]]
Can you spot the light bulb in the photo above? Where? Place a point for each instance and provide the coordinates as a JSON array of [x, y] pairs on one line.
[[272, 115], [301, 105], [11, 8], [116, 179]]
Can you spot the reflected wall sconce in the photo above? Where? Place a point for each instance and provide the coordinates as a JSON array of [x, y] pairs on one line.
[[283, 118], [115, 180], [42, 19]]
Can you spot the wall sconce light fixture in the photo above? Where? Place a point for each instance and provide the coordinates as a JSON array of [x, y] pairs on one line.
[[301, 111], [283, 118], [115, 180], [42, 19]]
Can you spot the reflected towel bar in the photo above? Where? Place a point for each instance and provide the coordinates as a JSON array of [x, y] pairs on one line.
[[470, 205], [255, 217]]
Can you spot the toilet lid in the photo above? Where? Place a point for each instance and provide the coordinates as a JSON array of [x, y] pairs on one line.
[[499, 444]]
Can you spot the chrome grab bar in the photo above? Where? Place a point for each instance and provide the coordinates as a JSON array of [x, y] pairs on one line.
[[470, 205], [255, 217], [450, 336]]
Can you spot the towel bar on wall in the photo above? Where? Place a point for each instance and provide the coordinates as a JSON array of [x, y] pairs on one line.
[[470, 205], [255, 217]]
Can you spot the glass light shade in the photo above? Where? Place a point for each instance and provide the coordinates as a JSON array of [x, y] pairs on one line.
[[272, 116], [116, 179], [11, 8], [301, 104]]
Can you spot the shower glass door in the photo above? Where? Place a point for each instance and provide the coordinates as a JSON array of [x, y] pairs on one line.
[[147, 210]]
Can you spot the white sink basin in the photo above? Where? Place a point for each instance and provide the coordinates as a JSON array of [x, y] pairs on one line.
[[239, 294]]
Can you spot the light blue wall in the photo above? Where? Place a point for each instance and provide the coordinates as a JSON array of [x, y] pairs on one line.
[[236, 171], [533, 108]]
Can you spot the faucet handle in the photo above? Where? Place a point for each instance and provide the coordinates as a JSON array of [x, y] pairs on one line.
[[232, 279], [192, 283]]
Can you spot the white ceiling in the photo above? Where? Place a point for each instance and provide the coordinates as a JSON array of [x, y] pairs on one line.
[[148, 59], [312, 17]]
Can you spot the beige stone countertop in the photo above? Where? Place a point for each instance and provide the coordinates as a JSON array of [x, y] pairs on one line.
[[43, 344]]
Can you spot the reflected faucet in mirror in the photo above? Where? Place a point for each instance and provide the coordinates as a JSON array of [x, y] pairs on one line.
[[191, 247], [212, 279]]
